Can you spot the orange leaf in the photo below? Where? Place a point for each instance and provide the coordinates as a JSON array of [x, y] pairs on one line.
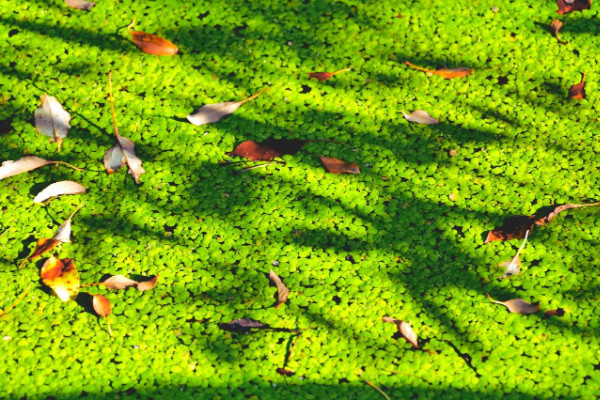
[[337, 166], [577, 92], [567, 6], [61, 276], [447, 73], [153, 44], [101, 305], [555, 27], [325, 76], [267, 150], [147, 285], [43, 246]]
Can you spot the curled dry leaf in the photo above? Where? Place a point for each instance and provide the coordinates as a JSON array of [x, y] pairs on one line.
[[577, 92], [447, 73], [282, 290], [153, 44], [24, 164], [210, 113], [52, 120], [121, 154], [267, 150], [59, 189], [80, 4], [102, 307], [405, 330], [61, 276], [555, 27], [420, 117], [518, 306], [337, 166], [567, 6], [325, 76]]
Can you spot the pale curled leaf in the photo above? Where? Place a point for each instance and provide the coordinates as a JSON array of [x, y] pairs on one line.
[[52, 120], [420, 117], [10, 168], [59, 189], [118, 282], [80, 4], [63, 233], [518, 306], [210, 113], [282, 290], [405, 330], [121, 154]]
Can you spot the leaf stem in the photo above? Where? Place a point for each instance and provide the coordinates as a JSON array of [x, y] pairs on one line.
[[109, 328], [255, 95], [112, 104], [339, 71], [260, 166], [416, 66], [379, 390], [13, 305], [66, 164]]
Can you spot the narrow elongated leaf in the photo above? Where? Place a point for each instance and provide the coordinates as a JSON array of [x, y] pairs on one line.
[[558, 209], [52, 120], [420, 117], [337, 166], [447, 73], [267, 150], [153, 44], [210, 113], [80, 4], [121, 154], [325, 76], [405, 330], [518, 306], [62, 277], [577, 91], [282, 290], [24, 164], [567, 6], [555, 27], [59, 189]]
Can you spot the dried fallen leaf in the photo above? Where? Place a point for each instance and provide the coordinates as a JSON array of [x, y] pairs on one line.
[[52, 120], [102, 307], [325, 76], [558, 209], [337, 166], [447, 73], [420, 117], [80, 4], [513, 267], [58, 189], [153, 44], [555, 27], [147, 285], [24, 164], [559, 312], [405, 330], [243, 325], [577, 92], [210, 113], [118, 282], [285, 372], [267, 150], [518, 306], [567, 6], [61, 276], [282, 290]]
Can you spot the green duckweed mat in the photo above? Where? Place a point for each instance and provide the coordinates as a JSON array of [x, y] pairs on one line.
[[403, 239]]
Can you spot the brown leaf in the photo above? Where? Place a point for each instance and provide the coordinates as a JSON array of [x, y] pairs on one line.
[[147, 285], [512, 228], [447, 73], [337, 166], [282, 290], [577, 92], [285, 372], [58, 189], [517, 306], [118, 282], [80, 4], [405, 330], [325, 76], [101, 305], [558, 209], [559, 312], [567, 6], [24, 164], [43, 246], [62, 277], [420, 117], [267, 150], [210, 113], [153, 44], [555, 27]]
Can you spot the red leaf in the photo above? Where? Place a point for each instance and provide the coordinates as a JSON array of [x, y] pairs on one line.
[[267, 150], [325, 76], [153, 44], [567, 6], [447, 73], [577, 92], [337, 166]]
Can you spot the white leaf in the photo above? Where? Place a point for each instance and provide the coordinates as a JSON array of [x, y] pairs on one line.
[[213, 112], [512, 267], [420, 117], [123, 153], [24, 164], [59, 189], [52, 120], [63, 233], [80, 4]]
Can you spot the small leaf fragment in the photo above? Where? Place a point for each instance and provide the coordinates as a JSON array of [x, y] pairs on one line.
[[102, 307], [518, 306], [447, 73], [555, 27], [80, 4], [267, 150], [420, 117], [59, 189], [559, 312], [405, 330], [325, 76], [147, 285], [121, 154], [337, 166], [52, 120], [10, 168], [62, 277], [567, 6], [282, 290], [153, 44], [577, 91], [210, 113]]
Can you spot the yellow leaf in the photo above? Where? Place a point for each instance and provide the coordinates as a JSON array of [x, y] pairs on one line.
[[62, 277]]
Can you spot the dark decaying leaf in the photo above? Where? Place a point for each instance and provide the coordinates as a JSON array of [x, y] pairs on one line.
[[153, 44], [267, 150], [282, 290], [577, 91], [559, 312], [512, 228], [447, 73], [243, 325], [567, 6], [325, 76], [285, 372], [337, 166], [555, 27], [405, 330], [518, 306]]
